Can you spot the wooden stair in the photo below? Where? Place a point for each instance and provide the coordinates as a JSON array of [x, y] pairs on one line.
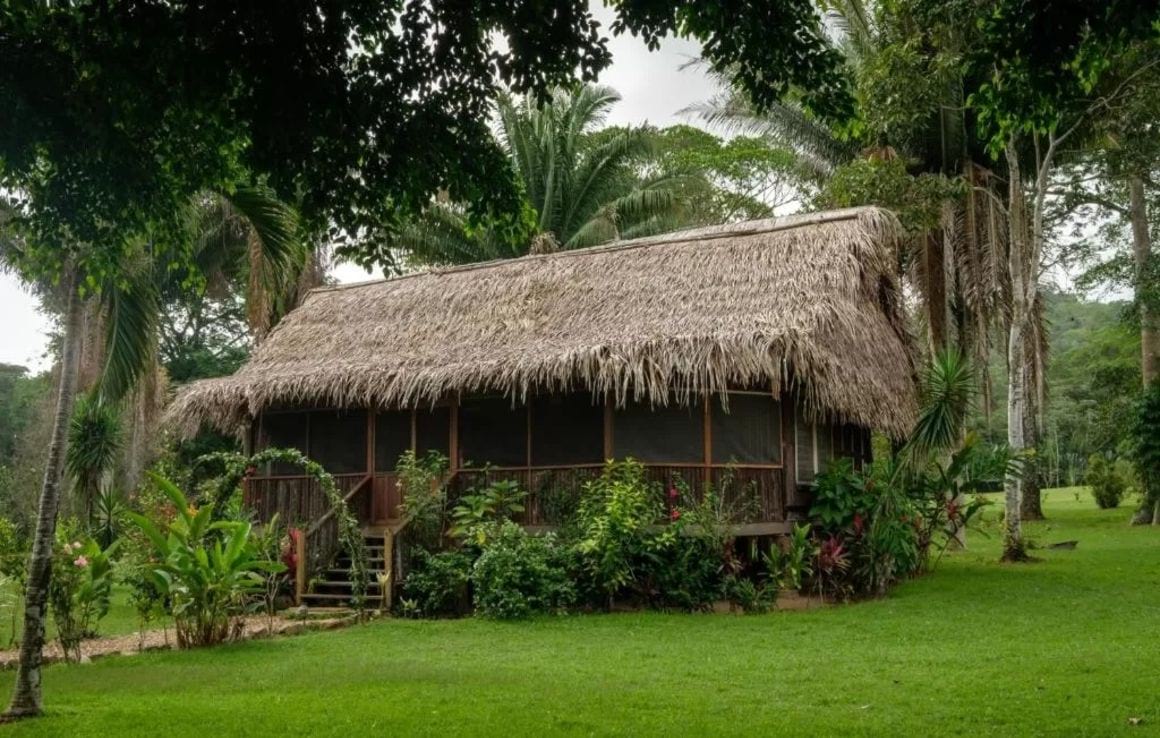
[[333, 586]]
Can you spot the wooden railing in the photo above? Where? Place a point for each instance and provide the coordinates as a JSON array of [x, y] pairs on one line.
[[300, 502], [756, 494]]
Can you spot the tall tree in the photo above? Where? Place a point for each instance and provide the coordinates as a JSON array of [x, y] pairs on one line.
[[116, 115], [580, 184], [1039, 66]]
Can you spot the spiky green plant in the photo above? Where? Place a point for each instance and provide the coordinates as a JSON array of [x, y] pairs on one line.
[[93, 445], [581, 185]]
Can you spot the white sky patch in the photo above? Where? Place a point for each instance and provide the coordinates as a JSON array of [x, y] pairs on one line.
[[23, 327]]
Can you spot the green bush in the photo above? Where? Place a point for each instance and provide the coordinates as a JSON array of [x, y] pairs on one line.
[[616, 528], [518, 575], [685, 573], [206, 570], [496, 502], [436, 585], [1108, 487], [80, 589], [1146, 451]]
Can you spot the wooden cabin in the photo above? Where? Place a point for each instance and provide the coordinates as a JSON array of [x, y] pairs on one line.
[[756, 351]]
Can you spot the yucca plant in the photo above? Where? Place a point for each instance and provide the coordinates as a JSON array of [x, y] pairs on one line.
[[93, 445], [207, 569]]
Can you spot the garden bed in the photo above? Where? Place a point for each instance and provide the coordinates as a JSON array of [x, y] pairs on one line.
[[257, 626]]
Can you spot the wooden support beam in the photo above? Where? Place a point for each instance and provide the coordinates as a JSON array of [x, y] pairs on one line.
[[300, 567]]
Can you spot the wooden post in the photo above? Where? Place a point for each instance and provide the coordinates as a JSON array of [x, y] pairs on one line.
[[788, 449], [300, 567], [387, 589]]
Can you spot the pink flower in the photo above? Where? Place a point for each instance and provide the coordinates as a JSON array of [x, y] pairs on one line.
[[80, 562], [675, 514], [673, 493]]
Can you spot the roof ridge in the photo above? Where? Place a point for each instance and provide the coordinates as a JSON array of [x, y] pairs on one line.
[[699, 233]]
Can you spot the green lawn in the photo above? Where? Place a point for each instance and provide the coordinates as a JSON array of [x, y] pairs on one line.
[[122, 619], [1063, 647]]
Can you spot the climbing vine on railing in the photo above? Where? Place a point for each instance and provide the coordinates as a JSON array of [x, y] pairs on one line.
[[237, 467]]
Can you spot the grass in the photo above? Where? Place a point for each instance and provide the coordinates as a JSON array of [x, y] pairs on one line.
[[122, 619], [1065, 646]]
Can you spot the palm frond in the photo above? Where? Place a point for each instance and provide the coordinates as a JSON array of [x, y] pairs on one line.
[[131, 306]]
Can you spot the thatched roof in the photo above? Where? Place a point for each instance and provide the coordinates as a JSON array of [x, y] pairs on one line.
[[809, 300]]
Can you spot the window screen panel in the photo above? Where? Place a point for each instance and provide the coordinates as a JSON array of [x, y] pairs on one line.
[[392, 438], [825, 440], [284, 430], [567, 429], [804, 445], [338, 440], [433, 430], [749, 432], [672, 434], [493, 432]]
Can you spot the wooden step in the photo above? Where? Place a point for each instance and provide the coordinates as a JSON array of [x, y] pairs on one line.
[[336, 597]]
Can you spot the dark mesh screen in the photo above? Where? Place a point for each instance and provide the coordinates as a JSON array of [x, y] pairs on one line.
[[567, 430], [284, 430], [392, 438], [749, 432], [433, 430], [338, 440], [825, 441], [804, 445], [491, 431], [672, 434]]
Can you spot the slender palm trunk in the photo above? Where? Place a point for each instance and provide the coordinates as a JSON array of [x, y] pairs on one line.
[[1018, 250], [26, 696]]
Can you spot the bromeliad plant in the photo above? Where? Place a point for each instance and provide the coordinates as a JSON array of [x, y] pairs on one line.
[[206, 569]]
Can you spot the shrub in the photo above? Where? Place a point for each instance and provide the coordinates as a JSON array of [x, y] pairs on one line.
[[437, 584], [80, 590], [753, 597], [1108, 487], [13, 566], [206, 570], [1146, 451], [616, 528], [518, 575], [424, 498], [841, 495], [498, 501], [683, 572]]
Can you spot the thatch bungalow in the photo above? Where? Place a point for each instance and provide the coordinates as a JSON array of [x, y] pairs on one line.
[[758, 350]]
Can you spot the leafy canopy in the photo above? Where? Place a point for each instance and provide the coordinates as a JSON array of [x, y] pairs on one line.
[[116, 114]]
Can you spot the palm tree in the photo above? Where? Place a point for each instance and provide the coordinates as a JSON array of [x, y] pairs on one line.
[[126, 305], [581, 184]]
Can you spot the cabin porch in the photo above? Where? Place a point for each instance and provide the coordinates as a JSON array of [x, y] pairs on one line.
[[756, 445]]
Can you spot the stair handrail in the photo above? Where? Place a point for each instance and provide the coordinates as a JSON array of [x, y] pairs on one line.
[[308, 541]]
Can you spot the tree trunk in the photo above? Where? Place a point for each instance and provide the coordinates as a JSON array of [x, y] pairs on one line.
[[1142, 253], [936, 291], [1031, 505], [26, 696], [1017, 256], [1149, 331]]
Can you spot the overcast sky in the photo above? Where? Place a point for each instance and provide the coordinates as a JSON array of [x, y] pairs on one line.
[[654, 89]]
